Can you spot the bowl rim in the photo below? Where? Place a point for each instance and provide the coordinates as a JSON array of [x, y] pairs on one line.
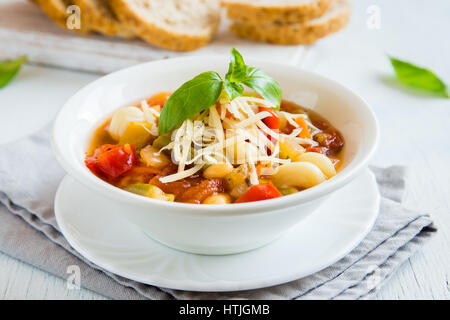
[[93, 182]]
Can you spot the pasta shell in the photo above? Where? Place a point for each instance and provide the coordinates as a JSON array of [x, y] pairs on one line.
[[298, 174], [321, 161]]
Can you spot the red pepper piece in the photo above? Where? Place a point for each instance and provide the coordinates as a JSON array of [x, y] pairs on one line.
[[112, 161], [260, 192], [273, 122]]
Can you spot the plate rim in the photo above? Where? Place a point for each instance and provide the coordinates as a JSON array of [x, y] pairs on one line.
[[216, 285]]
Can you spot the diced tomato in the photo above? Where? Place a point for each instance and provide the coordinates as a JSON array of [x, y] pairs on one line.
[[91, 163], [273, 122], [112, 160], [305, 129], [260, 192], [331, 141], [202, 191], [315, 149]]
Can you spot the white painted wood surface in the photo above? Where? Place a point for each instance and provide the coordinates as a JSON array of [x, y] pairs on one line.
[[415, 131]]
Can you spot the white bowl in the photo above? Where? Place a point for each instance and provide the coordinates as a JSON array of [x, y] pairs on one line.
[[212, 229]]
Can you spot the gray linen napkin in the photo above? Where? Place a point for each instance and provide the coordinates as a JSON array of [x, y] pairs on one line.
[[29, 176]]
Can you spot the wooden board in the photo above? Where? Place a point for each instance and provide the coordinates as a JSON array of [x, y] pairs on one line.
[[25, 30]]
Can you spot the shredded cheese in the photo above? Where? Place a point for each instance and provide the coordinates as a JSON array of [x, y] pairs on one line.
[[235, 133], [182, 174]]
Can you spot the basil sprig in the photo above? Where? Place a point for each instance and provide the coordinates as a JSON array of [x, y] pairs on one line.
[[253, 78], [203, 91], [191, 98], [9, 68], [418, 77]]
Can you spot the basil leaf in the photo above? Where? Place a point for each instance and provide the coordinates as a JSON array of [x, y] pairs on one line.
[[264, 84], [203, 91], [237, 69], [419, 77], [233, 89], [253, 78], [9, 68], [191, 98]]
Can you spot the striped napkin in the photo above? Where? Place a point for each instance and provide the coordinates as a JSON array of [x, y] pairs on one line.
[[30, 175]]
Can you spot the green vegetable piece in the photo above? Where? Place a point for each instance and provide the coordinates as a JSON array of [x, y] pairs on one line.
[[253, 78], [191, 98], [418, 77], [137, 133], [148, 190], [288, 191], [9, 68], [162, 141]]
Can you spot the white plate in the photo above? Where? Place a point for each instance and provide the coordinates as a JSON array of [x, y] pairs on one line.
[[91, 226]]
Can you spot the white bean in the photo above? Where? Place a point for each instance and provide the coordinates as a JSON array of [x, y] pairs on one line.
[[221, 198], [219, 170], [298, 174], [153, 158]]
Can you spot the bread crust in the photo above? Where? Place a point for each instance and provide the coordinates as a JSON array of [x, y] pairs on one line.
[[56, 11], [156, 35], [98, 21], [292, 33], [249, 13]]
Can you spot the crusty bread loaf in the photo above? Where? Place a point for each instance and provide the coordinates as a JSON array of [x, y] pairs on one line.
[[308, 32], [181, 25], [98, 16], [56, 10], [265, 11]]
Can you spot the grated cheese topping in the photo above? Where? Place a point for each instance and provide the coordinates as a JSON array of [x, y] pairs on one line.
[[243, 138], [233, 132]]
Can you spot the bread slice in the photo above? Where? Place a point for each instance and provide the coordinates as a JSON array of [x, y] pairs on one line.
[[265, 11], [180, 25], [56, 10], [98, 16], [308, 32]]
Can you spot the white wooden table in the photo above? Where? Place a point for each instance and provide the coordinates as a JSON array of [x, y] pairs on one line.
[[415, 131]]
